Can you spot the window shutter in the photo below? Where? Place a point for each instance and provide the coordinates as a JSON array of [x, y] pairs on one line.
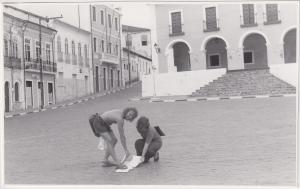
[[176, 22], [211, 18]]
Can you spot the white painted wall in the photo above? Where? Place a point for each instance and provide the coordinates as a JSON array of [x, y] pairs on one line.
[[286, 72], [180, 83]]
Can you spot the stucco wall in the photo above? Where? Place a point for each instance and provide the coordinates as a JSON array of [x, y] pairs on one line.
[[229, 22], [181, 83], [286, 72]]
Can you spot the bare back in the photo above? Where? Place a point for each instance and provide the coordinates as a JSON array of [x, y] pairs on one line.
[[112, 116]]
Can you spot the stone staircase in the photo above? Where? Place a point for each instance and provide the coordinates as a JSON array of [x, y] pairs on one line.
[[245, 83]]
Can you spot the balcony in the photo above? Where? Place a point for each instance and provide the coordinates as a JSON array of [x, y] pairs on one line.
[[34, 65], [12, 62], [74, 59], [60, 57], [176, 30], [110, 58], [211, 26]]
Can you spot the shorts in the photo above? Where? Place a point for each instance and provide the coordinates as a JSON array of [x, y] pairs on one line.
[[98, 125]]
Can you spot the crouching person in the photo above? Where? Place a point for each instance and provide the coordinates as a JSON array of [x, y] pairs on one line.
[[151, 141]]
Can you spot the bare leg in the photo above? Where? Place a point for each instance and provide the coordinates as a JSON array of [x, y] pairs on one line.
[[114, 142], [110, 151]]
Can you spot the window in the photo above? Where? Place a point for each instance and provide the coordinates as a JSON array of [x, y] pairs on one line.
[[85, 51], [117, 50], [272, 14], [5, 47], [17, 92], [73, 48], [94, 13], [211, 22], [79, 49], [176, 27], [109, 20], [95, 44], [102, 17], [116, 23], [58, 44], [102, 45], [128, 40], [48, 53], [14, 49], [248, 14], [214, 60], [27, 49], [248, 57], [66, 46], [144, 40], [109, 48], [37, 50]]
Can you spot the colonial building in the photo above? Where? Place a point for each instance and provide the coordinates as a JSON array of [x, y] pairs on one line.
[[23, 55], [136, 53], [106, 47], [73, 56], [200, 42]]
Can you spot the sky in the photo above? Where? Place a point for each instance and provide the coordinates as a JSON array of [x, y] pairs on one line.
[[134, 14]]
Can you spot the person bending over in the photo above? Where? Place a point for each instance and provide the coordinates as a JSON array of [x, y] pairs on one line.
[[151, 141], [100, 125]]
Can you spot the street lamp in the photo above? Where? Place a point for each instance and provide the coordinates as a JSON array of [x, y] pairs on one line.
[[157, 50]]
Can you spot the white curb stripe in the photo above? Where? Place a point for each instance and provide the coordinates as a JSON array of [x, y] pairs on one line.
[[23, 113], [213, 98]]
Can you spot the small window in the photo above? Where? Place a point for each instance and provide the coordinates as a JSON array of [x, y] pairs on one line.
[[17, 92], [116, 23], [66, 46], [102, 17], [5, 47], [144, 40], [109, 20], [85, 51], [214, 60], [79, 49], [58, 44], [27, 50], [95, 44], [248, 57], [102, 45], [117, 49], [94, 13], [73, 48]]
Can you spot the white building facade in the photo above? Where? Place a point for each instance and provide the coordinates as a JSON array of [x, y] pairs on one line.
[[201, 41], [73, 56]]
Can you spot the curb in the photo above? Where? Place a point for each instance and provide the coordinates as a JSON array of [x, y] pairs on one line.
[[71, 103], [188, 99]]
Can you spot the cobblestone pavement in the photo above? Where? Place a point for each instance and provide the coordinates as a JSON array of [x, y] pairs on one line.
[[228, 142]]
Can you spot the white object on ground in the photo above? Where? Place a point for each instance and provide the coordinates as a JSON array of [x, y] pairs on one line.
[[102, 144], [130, 163]]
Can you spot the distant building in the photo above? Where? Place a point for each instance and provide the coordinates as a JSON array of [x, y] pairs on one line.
[[213, 38], [21, 60], [106, 47], [136, 41], [73, 56]]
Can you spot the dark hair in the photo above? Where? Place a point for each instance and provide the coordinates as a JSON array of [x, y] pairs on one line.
[[143, 122], [128, 109]]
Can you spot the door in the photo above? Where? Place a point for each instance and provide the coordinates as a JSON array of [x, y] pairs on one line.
[[39, 97], [118, 78], [74, 78], [211, 18], [29, 98], [86, 85], [6, 97], [97, 79], [50, 93], [112, 78], [104, 78]]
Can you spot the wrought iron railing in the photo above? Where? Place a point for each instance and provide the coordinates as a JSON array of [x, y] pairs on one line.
[[12, 62], [35, 65]]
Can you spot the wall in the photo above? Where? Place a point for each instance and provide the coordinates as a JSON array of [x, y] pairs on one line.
[[180, 83], [229, 21], [286, 72]]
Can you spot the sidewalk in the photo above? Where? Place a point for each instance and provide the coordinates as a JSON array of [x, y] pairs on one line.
[[65, 103], [180, 98]]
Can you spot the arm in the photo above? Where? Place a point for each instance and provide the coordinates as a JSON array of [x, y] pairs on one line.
[[149, 138], [122, 135]]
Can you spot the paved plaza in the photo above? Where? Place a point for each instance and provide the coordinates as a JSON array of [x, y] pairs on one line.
[[225, 142]]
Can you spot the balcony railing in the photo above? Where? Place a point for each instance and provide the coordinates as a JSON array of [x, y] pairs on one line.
[[35, 65], [12, 62], [176, 30], [211, 26], [67, 58], [60, 57], [74, 59]]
